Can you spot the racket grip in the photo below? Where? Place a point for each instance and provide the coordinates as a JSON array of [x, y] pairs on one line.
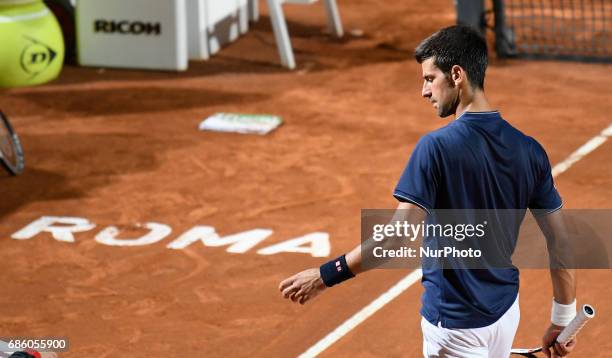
[[584, 315]]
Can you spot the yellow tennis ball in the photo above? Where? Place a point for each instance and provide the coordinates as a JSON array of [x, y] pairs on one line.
[[32, 45]]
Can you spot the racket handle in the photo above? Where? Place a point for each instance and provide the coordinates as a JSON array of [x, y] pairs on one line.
[[584, 315]]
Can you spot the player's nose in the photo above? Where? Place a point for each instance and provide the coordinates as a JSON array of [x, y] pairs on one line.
[[425, 91]]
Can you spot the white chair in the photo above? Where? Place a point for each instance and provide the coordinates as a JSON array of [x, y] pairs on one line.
[[279, 25], [213, 23]]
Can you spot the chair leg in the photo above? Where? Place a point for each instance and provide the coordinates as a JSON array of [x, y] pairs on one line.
[[243, 19], [283, 42], [254, 10], [333, 17]]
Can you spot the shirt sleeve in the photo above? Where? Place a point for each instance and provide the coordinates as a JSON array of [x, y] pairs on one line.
[[545, 198], [419, 181]]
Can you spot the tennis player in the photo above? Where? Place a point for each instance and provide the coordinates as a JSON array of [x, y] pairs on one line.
[[478, 161]]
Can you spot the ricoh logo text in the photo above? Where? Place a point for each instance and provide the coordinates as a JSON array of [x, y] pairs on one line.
[[127, 27]]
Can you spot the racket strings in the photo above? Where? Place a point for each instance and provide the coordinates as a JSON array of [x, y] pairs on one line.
[[6, 146]]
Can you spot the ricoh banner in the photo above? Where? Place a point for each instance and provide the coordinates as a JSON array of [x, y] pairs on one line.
[[487, 239], [132, 34]]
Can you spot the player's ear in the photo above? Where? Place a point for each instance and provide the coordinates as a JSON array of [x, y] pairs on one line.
[[457, 75]]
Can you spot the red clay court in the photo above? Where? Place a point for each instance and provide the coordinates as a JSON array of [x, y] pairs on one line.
[[121, 148]]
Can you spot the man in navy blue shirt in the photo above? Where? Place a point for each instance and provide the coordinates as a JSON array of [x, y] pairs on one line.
[[478, 161]]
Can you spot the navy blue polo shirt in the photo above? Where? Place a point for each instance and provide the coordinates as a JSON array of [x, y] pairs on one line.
[[478, 161]]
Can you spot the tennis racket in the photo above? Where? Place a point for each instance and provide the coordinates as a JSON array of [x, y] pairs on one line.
[[11, 154], [584, 315]]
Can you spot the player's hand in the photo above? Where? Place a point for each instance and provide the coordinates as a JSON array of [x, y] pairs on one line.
[[303, 286], [551, 348], [48, 355]]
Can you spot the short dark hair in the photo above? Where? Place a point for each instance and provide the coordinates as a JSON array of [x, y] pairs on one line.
[[456, 45]]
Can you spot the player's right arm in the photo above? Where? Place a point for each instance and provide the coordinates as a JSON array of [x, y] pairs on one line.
[[405, 212], [563, 276], [307, 284]]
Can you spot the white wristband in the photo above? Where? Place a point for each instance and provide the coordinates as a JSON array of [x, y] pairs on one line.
[[562, 315]]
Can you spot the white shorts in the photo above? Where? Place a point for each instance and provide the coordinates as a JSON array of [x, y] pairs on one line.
[[492, 341]]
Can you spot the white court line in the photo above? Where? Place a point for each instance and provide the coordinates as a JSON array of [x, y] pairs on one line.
[[416, 275], [363, 314], [587, 148]]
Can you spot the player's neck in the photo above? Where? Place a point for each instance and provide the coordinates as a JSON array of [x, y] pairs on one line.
[[473, 101]]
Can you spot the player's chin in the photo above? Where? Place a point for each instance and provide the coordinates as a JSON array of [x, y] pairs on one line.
[[444, 112]]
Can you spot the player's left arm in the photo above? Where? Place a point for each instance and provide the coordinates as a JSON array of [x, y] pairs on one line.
[[563, 277], [307, 284]]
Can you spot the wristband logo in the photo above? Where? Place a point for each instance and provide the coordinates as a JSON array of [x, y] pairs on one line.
[[36, 57]]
